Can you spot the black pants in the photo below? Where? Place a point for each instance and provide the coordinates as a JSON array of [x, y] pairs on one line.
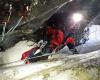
[[72, 48], [37, 57]]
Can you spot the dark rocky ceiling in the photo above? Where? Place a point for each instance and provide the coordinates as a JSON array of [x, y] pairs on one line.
[[43, 10]]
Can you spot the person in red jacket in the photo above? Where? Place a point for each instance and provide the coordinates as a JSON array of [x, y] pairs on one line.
[[55, 38], [70, 42]]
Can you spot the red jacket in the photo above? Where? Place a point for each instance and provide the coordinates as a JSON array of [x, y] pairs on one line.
[[56, 37], [70, 40]]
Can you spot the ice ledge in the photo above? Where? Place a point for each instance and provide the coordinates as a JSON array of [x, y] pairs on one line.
[[62, 65]]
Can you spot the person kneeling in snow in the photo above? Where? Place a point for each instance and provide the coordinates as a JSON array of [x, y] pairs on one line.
[[70, 42], [54, 37]]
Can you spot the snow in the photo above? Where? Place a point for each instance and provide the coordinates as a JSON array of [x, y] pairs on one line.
[[67, 75], [93, 43], [94, 34], [62, 69], [15, 53]]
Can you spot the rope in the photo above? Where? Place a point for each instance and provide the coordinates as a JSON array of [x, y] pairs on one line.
[[14, 27], [3, 32], [5, 23], [10, 12], [55, 10]]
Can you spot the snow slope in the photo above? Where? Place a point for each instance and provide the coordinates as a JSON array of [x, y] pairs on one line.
[[15, 53], [73, 67], [93, 43]]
